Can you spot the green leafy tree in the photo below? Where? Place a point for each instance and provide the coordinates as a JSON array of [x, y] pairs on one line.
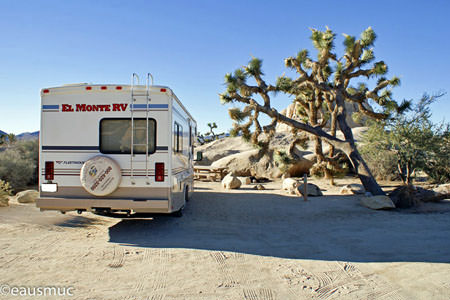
[[330, 78], [409, 142]]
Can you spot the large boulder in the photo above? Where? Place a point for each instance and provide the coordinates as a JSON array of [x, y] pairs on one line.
[[28, 196], [221, 148], [239, 164], [248, 163], [231, 182], [301, 166], [443, 189], [377, 202], [410, 196]]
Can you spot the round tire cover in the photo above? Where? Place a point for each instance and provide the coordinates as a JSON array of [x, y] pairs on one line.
[[100, 176]]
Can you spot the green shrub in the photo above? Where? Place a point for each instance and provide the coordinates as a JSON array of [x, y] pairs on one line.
[[5, 188], [19, 163], [437, 165]]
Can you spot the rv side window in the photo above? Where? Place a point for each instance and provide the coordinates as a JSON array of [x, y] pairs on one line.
[[177, 138], [115, 136]]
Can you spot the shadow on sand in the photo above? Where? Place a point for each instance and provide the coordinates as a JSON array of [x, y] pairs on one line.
[[324, 228]]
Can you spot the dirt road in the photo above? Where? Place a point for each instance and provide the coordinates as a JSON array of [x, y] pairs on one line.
[[243, 244]]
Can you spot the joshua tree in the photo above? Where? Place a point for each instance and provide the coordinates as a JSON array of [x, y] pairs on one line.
[[212, 126], [329, 78], [11, 137]]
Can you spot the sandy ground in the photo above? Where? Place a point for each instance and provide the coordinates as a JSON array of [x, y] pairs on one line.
[[242, 244]]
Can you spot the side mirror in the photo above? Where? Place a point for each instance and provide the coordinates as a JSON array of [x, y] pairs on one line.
[[199, 156]]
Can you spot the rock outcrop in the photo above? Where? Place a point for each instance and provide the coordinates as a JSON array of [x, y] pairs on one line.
[[242, 158]]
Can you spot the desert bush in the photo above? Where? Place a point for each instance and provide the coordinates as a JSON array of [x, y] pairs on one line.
[[437, 165], [19, 163], [375, 149], [409, 142], [5, 188]]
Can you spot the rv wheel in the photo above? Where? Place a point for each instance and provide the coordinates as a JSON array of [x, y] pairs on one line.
[[178, 213], [186, 194]]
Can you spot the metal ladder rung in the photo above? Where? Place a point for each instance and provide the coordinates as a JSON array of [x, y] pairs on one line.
[[134, 95]]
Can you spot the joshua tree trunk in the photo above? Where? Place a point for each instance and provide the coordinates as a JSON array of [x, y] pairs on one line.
[[360, 166]]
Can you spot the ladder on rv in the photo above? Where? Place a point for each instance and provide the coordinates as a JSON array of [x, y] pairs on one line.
[[134, 128]]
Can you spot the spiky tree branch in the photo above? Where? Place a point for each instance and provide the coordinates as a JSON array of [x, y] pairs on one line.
[[325, 80]]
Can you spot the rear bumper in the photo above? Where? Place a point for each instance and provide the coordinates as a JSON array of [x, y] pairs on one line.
[[68, 204]]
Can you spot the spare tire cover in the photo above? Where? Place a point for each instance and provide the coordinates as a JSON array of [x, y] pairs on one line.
[[100, 176]]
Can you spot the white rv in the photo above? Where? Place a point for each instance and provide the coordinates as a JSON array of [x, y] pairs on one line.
[[115, 148]]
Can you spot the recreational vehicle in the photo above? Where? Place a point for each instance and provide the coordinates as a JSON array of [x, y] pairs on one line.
[[115, 148]]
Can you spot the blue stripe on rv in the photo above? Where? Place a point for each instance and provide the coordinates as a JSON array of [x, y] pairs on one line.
[[158, 148], [50, 106], [150, 106]]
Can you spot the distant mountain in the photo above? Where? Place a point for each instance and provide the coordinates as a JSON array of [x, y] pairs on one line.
[[28, 135], [25, 136]]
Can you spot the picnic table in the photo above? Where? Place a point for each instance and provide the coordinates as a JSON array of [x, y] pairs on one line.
[[209, 173]]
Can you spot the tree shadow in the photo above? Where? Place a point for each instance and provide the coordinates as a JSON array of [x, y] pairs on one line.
[[324, 228]]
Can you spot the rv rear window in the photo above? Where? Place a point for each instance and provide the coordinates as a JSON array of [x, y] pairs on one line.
[[115, 136]]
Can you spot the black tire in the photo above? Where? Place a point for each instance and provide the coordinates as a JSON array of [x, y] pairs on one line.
[[186, 194], [178, 213]]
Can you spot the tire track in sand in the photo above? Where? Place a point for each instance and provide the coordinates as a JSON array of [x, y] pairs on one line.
[[346, 278], [259, 294], [227, 279], [160, 282], [118, 259]]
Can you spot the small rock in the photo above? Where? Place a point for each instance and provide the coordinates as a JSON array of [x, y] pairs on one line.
[[377, 202], [290, 185], [231, 182], [28, 196], [312, 189], [352, 189], [4, 200], [260, 187]]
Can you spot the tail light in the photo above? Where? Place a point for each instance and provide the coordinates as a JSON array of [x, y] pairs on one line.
[[49, 170], [159, 172]]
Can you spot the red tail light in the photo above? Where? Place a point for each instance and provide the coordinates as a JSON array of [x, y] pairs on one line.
[[49, 170], [159, 171]]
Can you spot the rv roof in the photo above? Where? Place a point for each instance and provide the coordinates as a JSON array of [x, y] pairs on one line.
[[124, 86]]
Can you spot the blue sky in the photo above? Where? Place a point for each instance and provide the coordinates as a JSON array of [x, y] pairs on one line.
[[190, 45]]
